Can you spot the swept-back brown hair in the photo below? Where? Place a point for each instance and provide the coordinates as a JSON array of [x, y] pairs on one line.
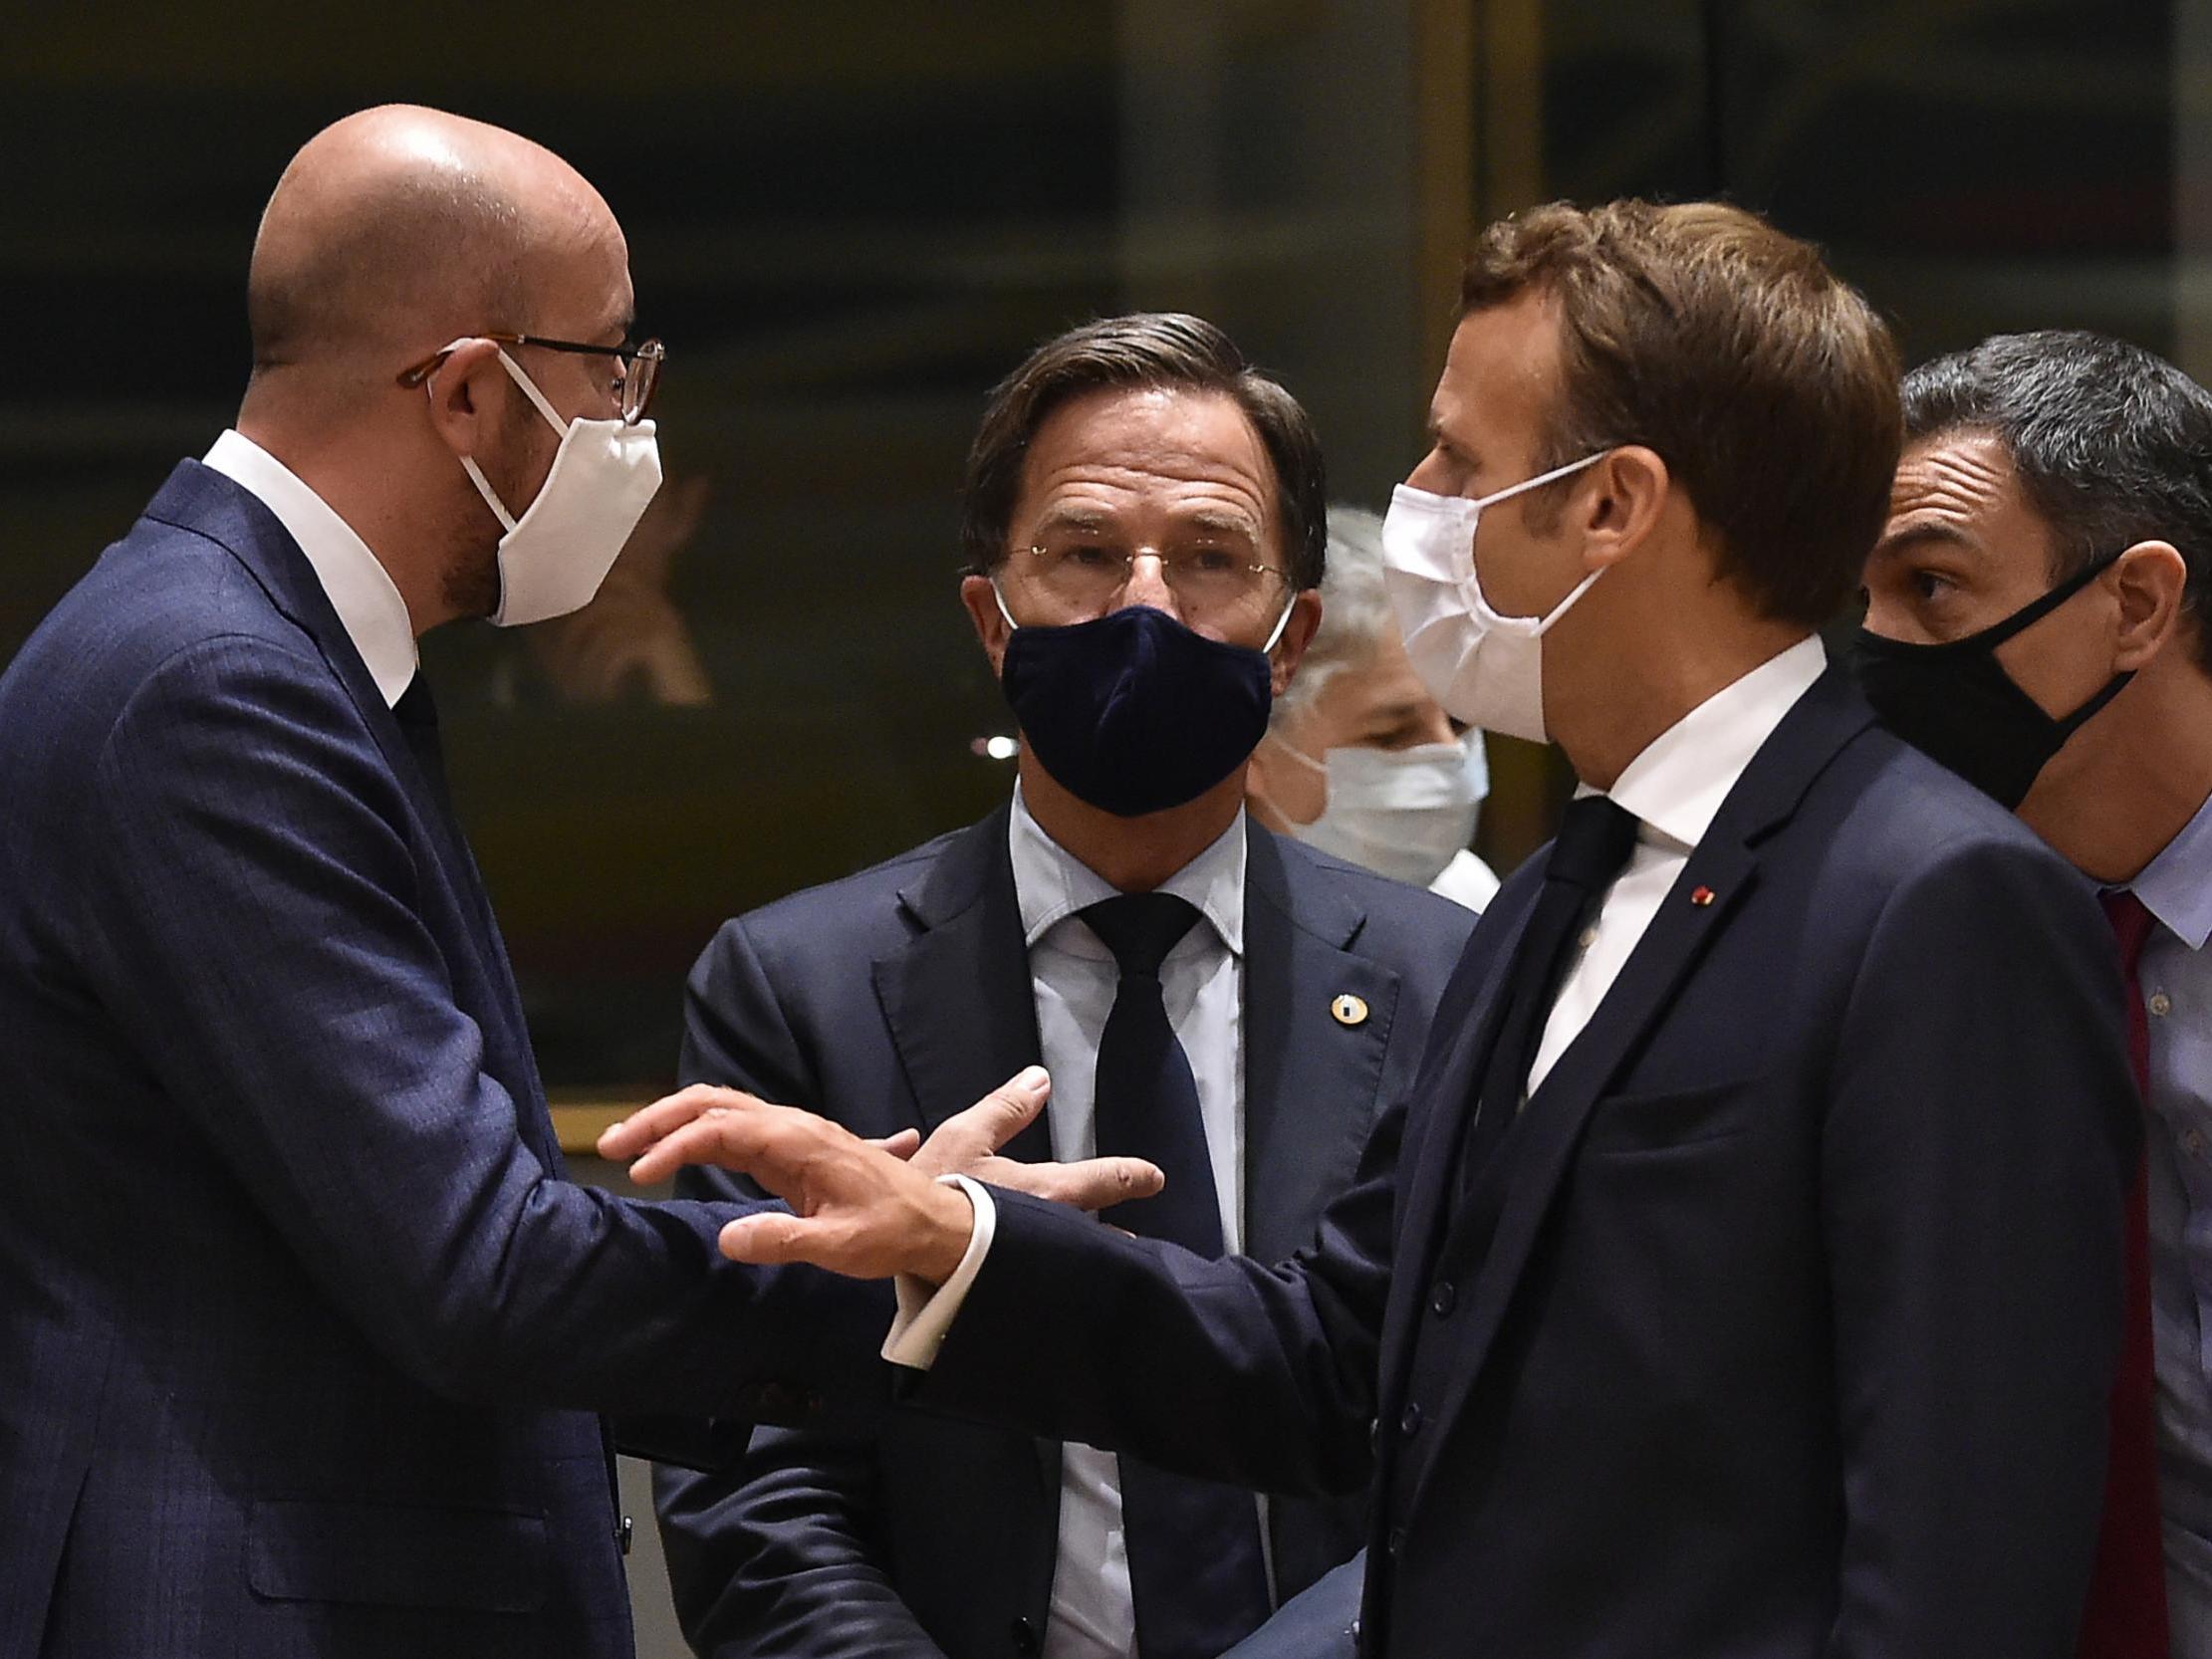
[[1145, 348], [1767, 384]]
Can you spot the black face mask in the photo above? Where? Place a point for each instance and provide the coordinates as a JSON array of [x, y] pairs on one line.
[[1134, 712], [1955, 703]]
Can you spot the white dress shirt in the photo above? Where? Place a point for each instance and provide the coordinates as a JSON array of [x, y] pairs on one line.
[[360, 590], [1073, 979], [1674, 788]]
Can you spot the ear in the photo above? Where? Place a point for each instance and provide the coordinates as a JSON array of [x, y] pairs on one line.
[[2150, 580], [467, 393], [1298, 633], [991, 629], [1620, 503]]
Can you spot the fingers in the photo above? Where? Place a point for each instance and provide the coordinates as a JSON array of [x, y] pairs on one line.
[[770, 1239], [967, 1138], [902, 1145], [649, 1124], [752, 1138], [1094, 1184]]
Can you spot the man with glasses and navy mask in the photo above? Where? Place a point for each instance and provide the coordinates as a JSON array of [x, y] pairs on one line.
[[303, 1333], [1144, 525], [2036, 621]]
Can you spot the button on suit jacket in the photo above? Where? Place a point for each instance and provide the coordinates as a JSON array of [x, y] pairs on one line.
[[1793, 1333], [896, 998], [301, 1332]]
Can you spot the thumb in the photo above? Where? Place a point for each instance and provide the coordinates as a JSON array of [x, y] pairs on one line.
[[769, 1238]]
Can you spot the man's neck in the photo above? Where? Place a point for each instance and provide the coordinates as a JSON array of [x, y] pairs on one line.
[[1133, 855], [1620, 705], [2115, 806], [364, 500]]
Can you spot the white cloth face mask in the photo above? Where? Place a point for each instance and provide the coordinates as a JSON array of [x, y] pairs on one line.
[[1401, 813], [553, 559], [1485, 668]]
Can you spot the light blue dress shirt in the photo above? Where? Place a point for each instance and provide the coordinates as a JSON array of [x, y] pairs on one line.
[[1074, 978], [2176, 978]]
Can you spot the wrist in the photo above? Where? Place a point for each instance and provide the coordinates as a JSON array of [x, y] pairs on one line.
[[948, 1224]]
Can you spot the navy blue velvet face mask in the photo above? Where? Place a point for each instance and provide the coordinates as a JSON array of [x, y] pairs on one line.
[[1134, 712]]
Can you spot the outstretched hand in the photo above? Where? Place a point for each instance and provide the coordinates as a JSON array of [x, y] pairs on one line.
[[865, 1209]]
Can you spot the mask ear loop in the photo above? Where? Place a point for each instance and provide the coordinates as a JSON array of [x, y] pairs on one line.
[[1281, 623], [468, 463], [1297, 754]]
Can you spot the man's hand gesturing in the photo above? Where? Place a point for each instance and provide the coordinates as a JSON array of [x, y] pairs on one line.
[[858, 1208]]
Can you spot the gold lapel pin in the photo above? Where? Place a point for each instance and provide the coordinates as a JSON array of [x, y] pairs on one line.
[[1350, 1010], [1702, 897]]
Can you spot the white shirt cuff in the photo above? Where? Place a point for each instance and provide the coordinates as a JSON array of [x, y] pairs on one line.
[[925, 1312]]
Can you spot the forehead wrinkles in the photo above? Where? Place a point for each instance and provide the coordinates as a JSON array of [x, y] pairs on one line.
[[1963, 481], [1149, 448]]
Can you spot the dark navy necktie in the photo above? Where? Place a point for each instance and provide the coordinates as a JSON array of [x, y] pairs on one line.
[[417, 715], [1595, 840], [1196, 1575]]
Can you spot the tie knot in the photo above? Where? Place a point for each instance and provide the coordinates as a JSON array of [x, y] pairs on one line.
[[1140, 928], [2131, 923], [1594, 840]]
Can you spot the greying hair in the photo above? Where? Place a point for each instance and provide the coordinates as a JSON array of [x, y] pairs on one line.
[[2113, 445], [1355, 610]]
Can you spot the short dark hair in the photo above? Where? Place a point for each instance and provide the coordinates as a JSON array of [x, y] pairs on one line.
[[1766, 383], [2113, 445], [1146, 349]]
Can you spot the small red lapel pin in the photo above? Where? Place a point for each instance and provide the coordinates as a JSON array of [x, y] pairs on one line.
[[1702, 896]]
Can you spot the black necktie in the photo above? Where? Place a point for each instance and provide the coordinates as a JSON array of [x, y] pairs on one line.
[[1595, 840], [1196, 1575], [417, 715]]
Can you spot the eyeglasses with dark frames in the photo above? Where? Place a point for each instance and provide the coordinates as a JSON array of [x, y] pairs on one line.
[[641, 366]]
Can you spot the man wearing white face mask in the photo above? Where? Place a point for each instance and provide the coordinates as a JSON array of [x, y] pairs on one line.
[[1750, 1281], [1359, 760], [306, 1336]]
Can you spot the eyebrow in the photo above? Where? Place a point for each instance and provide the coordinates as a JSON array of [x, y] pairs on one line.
[[1931, 530], [1069, 516], [1219, 522]]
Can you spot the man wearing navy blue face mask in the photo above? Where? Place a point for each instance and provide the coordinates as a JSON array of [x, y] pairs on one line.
[[1145, 528], [2037, 622]]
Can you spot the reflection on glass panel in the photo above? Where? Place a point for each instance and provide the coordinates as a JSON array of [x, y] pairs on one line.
[[847, 218]]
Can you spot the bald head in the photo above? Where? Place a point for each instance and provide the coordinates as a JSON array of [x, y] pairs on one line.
[[398, 229]]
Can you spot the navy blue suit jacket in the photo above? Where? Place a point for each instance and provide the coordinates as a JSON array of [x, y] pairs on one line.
[[301, 1328], [896, 998], [1794, 1337]]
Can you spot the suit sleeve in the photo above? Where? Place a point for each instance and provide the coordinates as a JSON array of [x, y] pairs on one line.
[[256, 925], [1262, 1376], [1980, 1137], [784, 1555]]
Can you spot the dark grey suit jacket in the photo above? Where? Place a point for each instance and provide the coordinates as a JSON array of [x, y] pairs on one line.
[[895, 999]]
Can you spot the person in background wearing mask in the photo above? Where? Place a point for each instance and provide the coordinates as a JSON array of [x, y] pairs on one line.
[[1143, 520], [2036, 621], [1359, 760], [1750, 1280], [303, 1333]]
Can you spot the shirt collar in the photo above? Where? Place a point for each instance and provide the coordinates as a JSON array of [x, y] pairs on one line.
[[2173, 886], [360, 590], [1677, 784], [1051, 884]]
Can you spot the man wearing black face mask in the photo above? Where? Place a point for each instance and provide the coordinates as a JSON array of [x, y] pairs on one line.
[[1145, 527], [2036, 621]]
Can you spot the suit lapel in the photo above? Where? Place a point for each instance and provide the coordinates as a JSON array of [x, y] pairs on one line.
[[957, 997], [1310, 1080], [198, 498], [1726, 866]]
